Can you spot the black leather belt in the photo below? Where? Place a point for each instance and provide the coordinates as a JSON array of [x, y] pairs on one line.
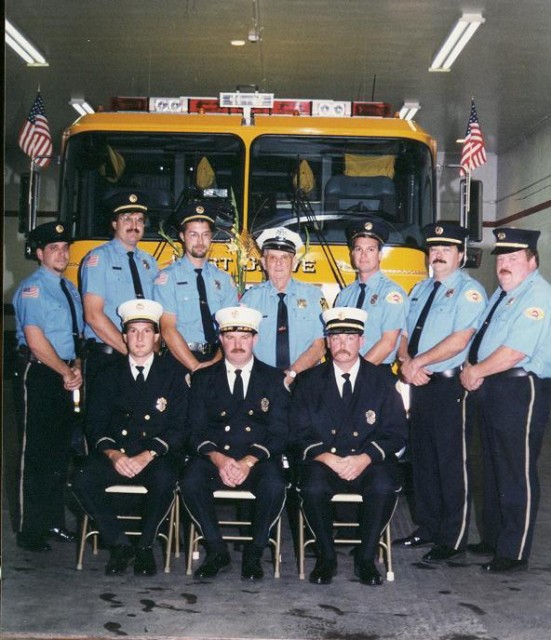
[[28, 355], [517, 372], [205, 348], [448, 373], [99, 347]]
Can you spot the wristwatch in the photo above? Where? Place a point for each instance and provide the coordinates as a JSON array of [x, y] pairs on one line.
[[291, 373], [153, 453], [249, 462]]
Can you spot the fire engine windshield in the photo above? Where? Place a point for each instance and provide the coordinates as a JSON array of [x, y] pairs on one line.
[[168, 167], [321, 184]]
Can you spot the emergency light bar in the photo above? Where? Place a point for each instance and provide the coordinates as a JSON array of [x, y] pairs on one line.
[[237, 103]]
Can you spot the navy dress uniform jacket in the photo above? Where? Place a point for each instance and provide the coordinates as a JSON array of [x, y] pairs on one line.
[[373, 423], [123, 416], [257, 426]]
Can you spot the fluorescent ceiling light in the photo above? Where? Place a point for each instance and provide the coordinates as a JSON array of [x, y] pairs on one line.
[[408, 111], [81, 106], [237, 43], [461, 33], [19, 43]]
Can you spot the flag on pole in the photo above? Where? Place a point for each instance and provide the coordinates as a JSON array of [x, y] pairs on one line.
[[35, 138], [473, 153]]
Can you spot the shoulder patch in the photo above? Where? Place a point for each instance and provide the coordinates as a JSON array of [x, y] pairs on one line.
[[162, 278], [534, 313], [30, 292], [92, 260], [473, 295], [395, 297]]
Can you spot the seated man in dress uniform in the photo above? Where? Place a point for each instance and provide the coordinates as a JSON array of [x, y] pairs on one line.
[[348, 420], [135, 425], [238, 430]]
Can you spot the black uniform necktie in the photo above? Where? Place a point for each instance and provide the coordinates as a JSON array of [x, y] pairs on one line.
[[206, 316], [135, 275], [140, 379], [74, 321], [473, 351], [346, 388], [413, 345], [282, 334], [361, 297], [238, 392]]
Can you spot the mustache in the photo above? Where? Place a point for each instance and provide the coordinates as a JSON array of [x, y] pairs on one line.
[[504, 271], [133, 230], [344, 352], [237, 350], [439, 260]]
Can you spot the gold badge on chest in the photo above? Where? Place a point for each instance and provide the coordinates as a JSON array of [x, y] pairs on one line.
[[265, 405]]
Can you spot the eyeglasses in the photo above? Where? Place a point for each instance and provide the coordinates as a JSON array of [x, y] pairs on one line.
[[138, 221]]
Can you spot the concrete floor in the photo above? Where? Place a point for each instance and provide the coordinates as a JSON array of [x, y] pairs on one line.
[[43, 596]]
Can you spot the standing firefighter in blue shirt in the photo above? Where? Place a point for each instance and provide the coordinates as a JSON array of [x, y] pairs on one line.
[[113, 273], [48, 315], [291, 333], [192, 290], [384, 301], [508, 376], [445, 312]]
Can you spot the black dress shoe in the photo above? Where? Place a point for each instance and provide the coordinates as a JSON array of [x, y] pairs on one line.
[[323, 571], [119, 557], [504, 565], [367, 572], [251, 569], [32, 542], [213, 563], [144, 564], [411, 542], [61, 534], [481, 549], [441, 553]]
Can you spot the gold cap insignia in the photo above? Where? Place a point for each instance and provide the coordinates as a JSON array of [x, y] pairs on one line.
[[139, 306], [501, 235], [199, 209], [368, 226], [60, 228], [342, 315], [133, 198], [439, 231]]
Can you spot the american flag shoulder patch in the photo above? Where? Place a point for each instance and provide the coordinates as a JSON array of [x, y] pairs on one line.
[[93, 260], [30, 292], [162, 278]]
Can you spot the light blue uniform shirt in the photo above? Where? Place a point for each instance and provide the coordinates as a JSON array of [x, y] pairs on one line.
[[176, 289], [305, 304], [106, 273], [40, 302], [386, 304], [458, 305], [522, 322]]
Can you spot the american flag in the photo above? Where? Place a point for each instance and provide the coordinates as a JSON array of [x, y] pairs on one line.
[[35, 138], [473, 153]]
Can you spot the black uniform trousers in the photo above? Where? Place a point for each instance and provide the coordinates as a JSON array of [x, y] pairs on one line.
[[46, 421], [265, 481], [439, 440], [97, 473], [512, 414], [378, 485]]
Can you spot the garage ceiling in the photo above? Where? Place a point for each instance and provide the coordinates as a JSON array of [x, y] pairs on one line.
[[339, 49]]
